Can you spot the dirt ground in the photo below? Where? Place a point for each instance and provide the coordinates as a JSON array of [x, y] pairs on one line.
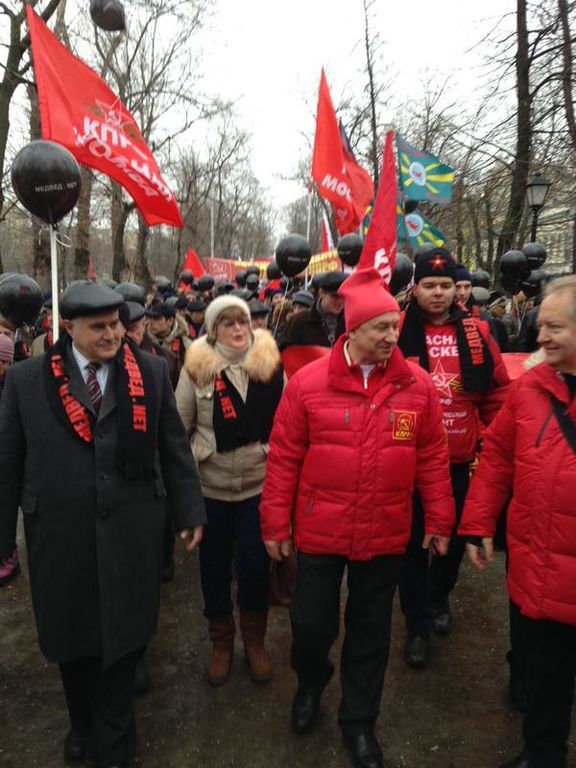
[[454, 714]]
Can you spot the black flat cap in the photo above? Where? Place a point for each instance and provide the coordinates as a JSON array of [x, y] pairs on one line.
[[304, 298], [135, 311], [84, 298], [160, 309], [258, 307], [332, 281], [195, 305]]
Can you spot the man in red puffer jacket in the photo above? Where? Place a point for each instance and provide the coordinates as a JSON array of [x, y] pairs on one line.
[[530, 450], [354, 433]]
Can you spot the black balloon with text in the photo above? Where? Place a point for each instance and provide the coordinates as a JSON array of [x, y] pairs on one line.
[[535, 254], [534, 283], [514, 264], [20, 298], [108, 15], [293, 254], [350, 249], [481, 279], [46, 180]]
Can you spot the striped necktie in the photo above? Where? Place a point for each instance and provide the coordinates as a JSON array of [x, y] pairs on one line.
[[93, 387]]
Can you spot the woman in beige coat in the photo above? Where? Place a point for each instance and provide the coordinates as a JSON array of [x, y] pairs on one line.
[[227, 395]]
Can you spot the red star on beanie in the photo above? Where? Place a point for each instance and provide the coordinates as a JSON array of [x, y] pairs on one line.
[[365, 296]]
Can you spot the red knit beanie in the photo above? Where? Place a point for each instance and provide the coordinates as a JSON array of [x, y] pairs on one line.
[[365, 296]]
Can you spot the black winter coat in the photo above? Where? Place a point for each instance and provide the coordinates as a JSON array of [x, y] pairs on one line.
[[94, 539], [307, 328]]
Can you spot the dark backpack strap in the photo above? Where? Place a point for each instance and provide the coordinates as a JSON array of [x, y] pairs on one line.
[[565, 422]]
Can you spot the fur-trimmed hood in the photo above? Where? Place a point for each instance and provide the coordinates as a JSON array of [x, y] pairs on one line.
[[203, 362]]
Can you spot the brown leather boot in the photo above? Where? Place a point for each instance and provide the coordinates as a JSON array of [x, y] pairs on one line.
[[253, 628], [222, 631]]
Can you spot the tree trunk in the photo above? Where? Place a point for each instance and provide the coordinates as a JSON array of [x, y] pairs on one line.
[[119, 212], [523, 136], [84, 222], [567, 71], [142, 274]]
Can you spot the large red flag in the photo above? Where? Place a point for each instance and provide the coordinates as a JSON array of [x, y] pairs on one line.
[[79, 111], [339, 177], [380, 247]]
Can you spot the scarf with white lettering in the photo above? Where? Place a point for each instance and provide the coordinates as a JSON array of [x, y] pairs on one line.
[[136, 401], [476, 362]]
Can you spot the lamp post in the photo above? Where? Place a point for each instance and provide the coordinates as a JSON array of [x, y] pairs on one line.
[[536, 191]]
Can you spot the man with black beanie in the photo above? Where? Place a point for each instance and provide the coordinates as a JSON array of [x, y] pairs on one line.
[[471, 380]]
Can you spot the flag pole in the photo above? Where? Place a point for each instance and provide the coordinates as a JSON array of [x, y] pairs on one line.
[[54, 271], [308, 227]]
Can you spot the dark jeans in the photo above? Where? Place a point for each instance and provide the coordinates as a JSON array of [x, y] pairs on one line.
[[551, 667], [315, 616], [232, 535], [100, 705], [423, 586]]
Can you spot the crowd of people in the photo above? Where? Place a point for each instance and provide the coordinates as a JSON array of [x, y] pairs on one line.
[[401, 445]]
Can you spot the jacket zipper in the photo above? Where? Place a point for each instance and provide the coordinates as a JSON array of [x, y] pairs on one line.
[[541, 433]]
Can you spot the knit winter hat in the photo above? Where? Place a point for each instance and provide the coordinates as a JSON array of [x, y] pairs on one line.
[[436, 262], [221, 304], [6, 348], [365, 296], [462, 274]]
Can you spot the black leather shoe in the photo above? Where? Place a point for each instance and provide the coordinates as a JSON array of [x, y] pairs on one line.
[[442, 620], [364, 750], [305, 711], [519, 762], [416, 651], [74, 746]]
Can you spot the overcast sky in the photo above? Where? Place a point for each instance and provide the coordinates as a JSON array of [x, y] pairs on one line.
[[267, 57]]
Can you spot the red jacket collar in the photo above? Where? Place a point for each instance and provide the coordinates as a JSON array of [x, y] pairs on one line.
[[342, 376], [553, 382]]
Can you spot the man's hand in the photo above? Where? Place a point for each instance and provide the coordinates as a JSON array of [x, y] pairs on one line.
[[482, 556], [437, 545], [278, 549], [192, 536]]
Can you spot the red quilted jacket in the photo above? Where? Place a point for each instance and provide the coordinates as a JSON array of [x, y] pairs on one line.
[[344, 459], [526, 453]]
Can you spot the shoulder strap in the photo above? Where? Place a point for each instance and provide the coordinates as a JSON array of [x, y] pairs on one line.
[[565, 422]]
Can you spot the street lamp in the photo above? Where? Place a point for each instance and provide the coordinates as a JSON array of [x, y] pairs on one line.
[[536, 191]]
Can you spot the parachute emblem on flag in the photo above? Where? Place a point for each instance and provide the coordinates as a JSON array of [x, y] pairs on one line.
[[417, 173]]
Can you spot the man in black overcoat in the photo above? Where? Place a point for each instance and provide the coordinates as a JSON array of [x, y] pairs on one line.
[[93, 451]]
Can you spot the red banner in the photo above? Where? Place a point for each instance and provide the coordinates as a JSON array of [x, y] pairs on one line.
[[225, 269], [339, 177], [380, 245], [79, 111]]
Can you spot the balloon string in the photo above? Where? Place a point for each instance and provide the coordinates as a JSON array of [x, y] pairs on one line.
[[65, 241]]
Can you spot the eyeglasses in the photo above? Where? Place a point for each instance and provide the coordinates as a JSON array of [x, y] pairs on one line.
[[228, 323]]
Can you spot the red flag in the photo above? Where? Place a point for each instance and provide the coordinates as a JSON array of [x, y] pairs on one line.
[[193, 263], [79, 111], [380, 245], [334, 169]]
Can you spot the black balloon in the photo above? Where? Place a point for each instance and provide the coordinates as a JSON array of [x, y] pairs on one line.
[[240, 278], [20, 299], [252, 282], [46, 179], [223, 288], [253, 269], [514, 264], [481, 279], [350, 248], [532, 285], [108, 15], [284, 283], [510, 284], [205, 283], [293, 254], [186, 277], [409, 206], [402, 274], [535, 254], [131, 292], [273, 271]]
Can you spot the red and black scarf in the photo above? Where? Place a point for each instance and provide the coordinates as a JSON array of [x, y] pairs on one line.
[[136, 401], [476, 362]]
